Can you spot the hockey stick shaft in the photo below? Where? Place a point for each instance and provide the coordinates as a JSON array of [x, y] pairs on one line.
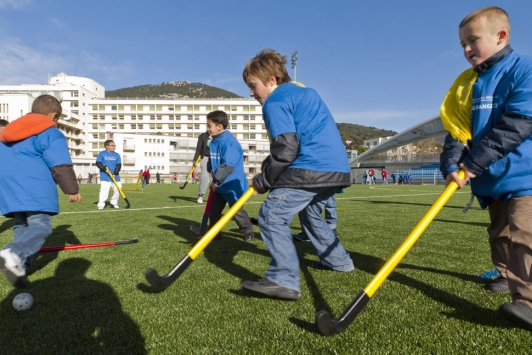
[[327, 326], [83, 246], [162, 282], [191, 172], [118, 187]]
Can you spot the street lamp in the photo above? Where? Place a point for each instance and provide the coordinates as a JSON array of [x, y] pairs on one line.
[[294, 63]]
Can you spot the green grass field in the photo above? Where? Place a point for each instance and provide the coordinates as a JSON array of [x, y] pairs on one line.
[[96, 301]]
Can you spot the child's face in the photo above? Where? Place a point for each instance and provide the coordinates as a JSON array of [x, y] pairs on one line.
[[111, 147], [214, 128], [479, 42], [259, 90]]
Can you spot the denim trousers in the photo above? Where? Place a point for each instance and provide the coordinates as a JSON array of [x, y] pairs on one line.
[[275, 216], [30, 231]]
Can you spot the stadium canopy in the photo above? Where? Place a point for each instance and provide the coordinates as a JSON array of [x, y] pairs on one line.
[[427, 129]]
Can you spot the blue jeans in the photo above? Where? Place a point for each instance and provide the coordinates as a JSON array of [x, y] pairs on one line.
[[330, 212], [275, 215], [31, 230]]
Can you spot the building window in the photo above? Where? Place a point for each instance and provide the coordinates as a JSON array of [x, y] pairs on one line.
[[113, 108], [140, 126], [121, 126], [252, 126], [159, 117], [252, 136], [74, 103], [196, 126], [152, 117]]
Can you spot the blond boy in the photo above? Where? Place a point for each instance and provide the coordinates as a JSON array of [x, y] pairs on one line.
[[494, 151]]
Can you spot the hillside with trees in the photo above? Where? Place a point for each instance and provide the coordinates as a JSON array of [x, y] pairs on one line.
[[172, 90]]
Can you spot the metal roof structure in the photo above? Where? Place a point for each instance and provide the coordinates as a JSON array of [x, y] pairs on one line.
[[427, 129]]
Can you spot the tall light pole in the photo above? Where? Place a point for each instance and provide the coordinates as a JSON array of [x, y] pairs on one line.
[[294, 63]]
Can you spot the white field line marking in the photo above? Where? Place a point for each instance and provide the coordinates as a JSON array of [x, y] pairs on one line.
[[248, 203]]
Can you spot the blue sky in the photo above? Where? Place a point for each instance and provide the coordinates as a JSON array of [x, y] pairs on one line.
[[385, 64]]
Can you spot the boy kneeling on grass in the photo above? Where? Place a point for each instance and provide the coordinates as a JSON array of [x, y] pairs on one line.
[[35, 158], [307, 166]]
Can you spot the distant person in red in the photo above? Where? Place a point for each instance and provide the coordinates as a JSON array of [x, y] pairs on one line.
[[147, 176], [371, 174], [384, 175]]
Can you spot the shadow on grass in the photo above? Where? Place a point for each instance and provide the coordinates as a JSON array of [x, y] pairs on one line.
[[478, 224], [8, 224], [463, 309], [70, 315], [60, 236], [183, 198], [219, 252]]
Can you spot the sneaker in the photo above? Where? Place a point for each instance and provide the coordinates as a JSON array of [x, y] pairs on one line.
[[115, 206], [519, 312], [500, 285], [200, 199], [319, 266], [11, 265], [100, 208], [301, 237], [271, 289], [249, 237]]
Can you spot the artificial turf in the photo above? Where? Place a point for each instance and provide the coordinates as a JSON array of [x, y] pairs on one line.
[[96, 301]]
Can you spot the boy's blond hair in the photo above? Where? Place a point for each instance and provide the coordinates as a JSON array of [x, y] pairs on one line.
[[496, 19], [265, 64]]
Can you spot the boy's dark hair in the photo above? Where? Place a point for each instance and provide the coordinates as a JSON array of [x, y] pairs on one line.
[[265, 64], [3, 123], [108, 142], [218, 117], [46, 104]]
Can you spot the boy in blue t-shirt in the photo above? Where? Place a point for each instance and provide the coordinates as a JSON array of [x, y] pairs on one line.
[[229, 181], [110, 159], [488, 114], [36, 153], [307, 166]]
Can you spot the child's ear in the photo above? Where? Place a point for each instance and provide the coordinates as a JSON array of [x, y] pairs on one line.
[[503, 35], [272, 80], [53, 116]]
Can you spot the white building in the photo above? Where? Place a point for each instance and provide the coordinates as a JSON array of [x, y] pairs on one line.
[[146, 131]]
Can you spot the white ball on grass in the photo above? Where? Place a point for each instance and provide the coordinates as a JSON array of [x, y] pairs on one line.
[[22, 301]]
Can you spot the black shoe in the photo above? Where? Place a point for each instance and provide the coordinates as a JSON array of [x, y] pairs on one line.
[[519, 312], [254, 221], [249, 237], [301, 237], [319, 266], [500, 285], [271, 289]]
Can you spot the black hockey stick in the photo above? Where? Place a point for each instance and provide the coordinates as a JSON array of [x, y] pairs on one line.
[[160, 283], [191, 172], [328, 326], [203, 227]]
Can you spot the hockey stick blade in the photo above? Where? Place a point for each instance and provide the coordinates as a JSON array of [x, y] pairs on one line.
[[329, 327], [196, 231], [160, 283], [185, 184], [127, 203]]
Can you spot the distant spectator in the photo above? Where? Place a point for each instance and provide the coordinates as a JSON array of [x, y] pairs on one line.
[[79, 178], [158, 178], [384, 175], [364, 178]]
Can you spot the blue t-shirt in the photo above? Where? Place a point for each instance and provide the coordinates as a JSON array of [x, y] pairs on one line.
[[111, 160], [26, 182]]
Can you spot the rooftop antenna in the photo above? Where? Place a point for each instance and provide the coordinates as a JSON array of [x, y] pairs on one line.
[[294, 64]]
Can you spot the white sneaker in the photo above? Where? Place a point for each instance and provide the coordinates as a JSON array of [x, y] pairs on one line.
[[100, 208], [12, 267], [200, 199], [115, 206]]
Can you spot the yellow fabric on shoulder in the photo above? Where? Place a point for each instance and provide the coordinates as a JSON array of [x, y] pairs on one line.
[[455, 110], [292, 82]]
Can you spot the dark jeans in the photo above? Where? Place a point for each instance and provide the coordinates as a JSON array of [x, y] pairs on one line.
[[241, 217]]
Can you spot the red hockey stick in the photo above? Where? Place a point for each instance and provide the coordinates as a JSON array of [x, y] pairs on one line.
[[81, 246]]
